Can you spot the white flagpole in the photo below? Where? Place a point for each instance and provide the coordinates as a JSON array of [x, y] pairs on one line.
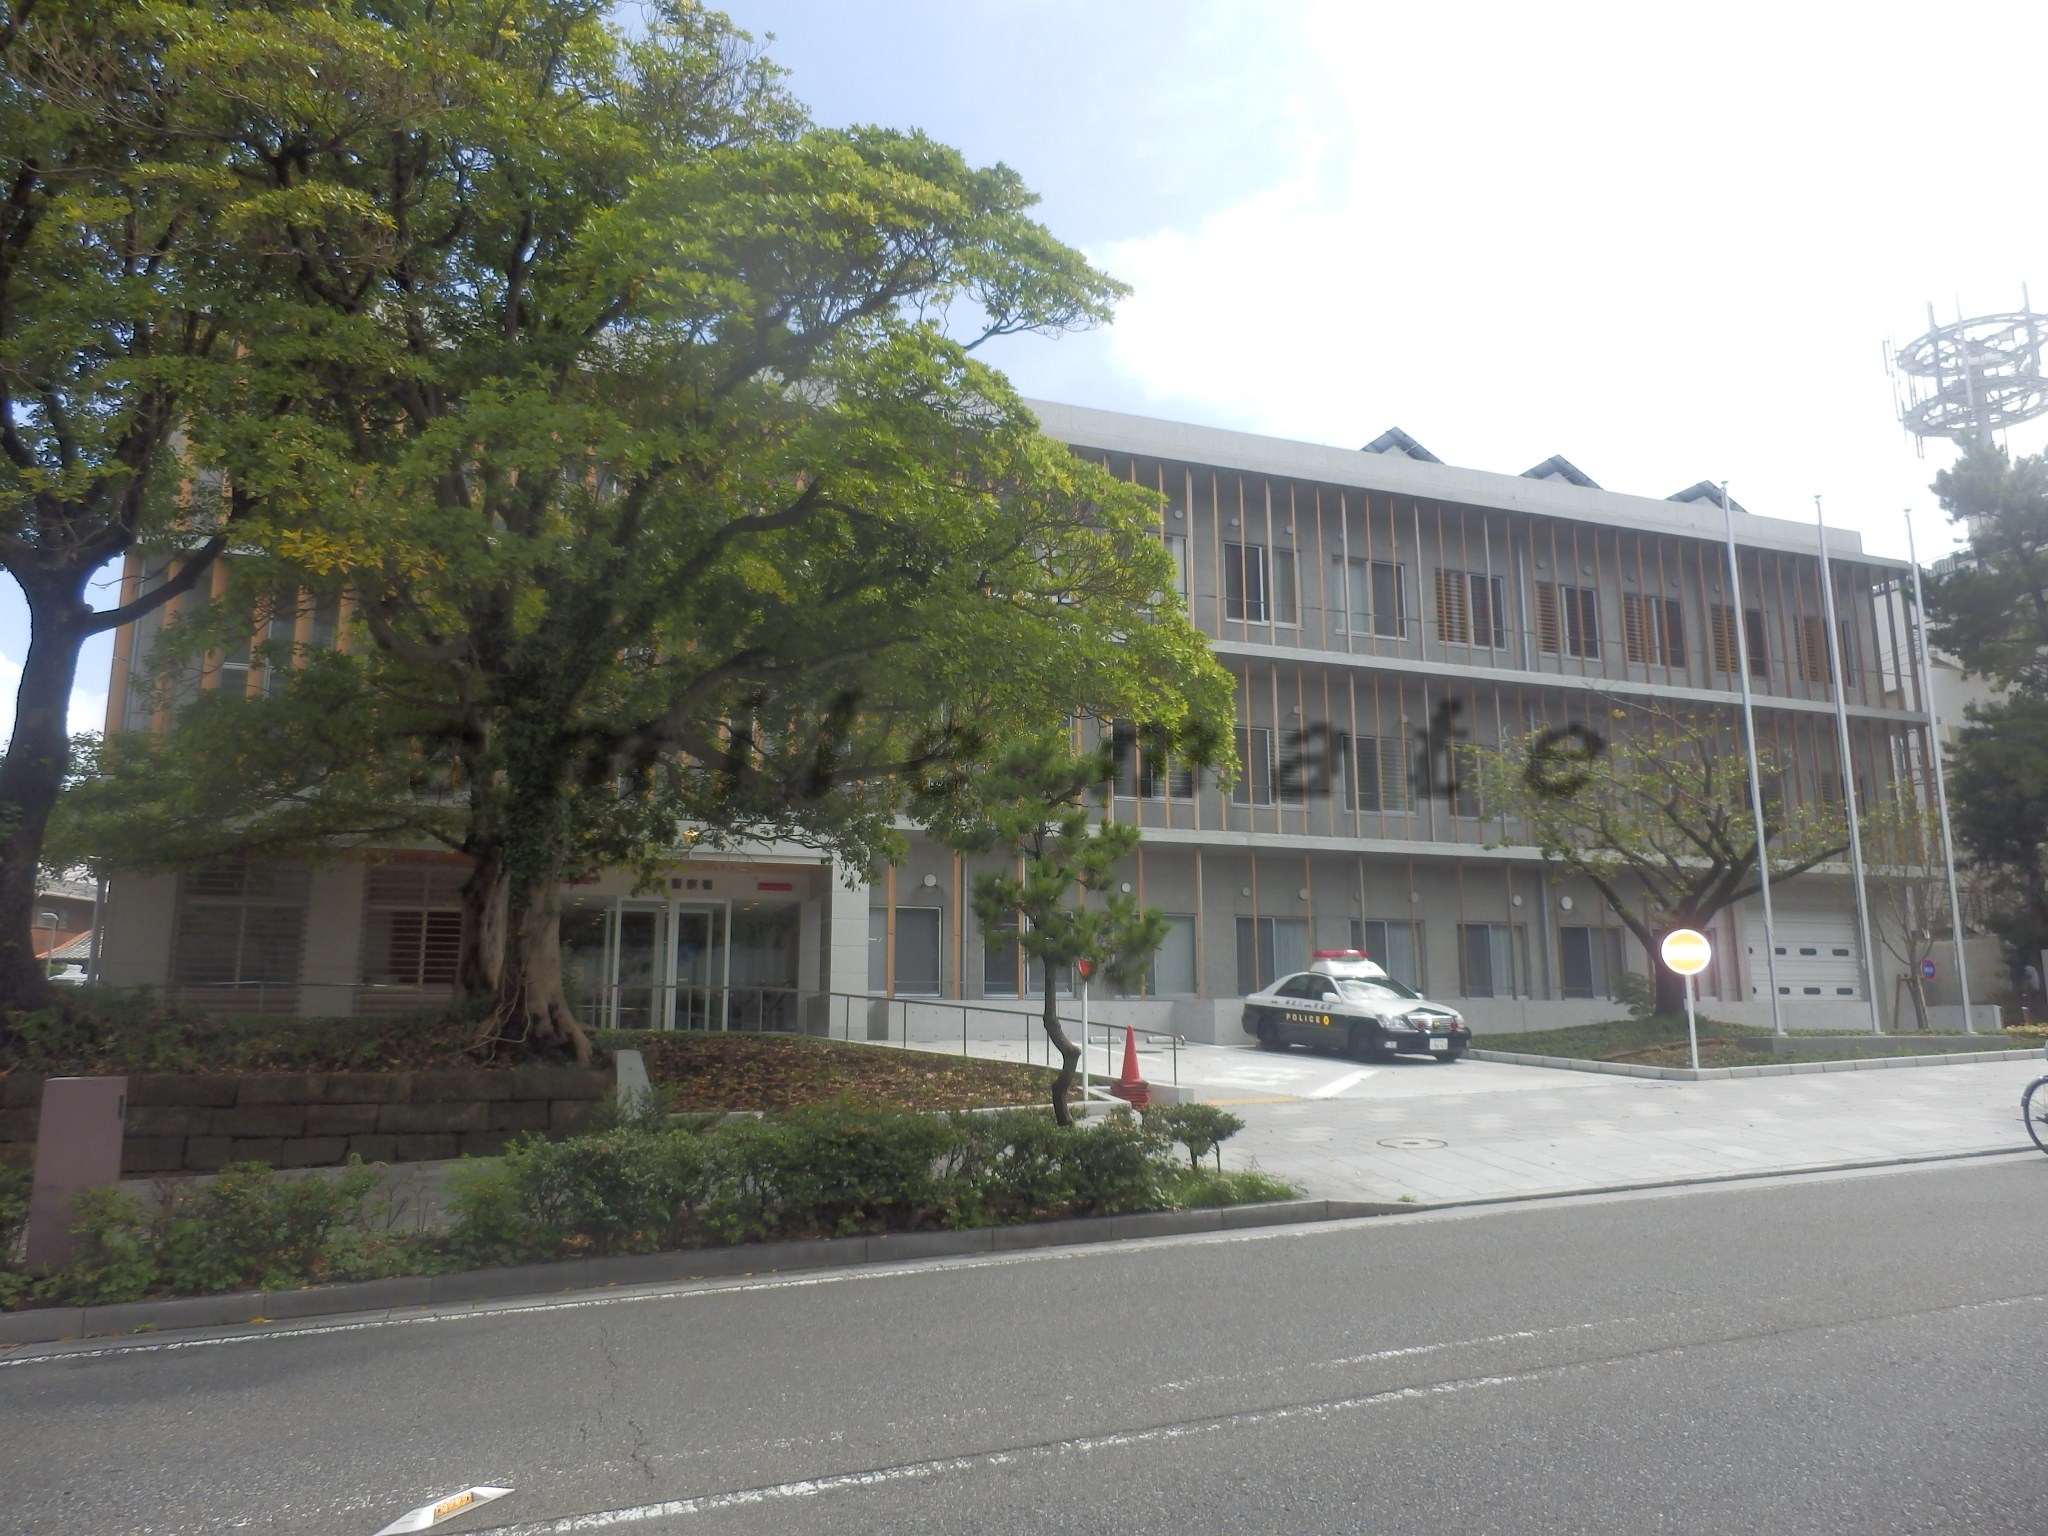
[[1740, 623], [1834, 649], [1948, 847]]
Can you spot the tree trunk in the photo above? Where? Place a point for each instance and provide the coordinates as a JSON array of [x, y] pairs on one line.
[[1070, 1053], [31, 776], [530, 1015], [485, 896], [1670, 988], [1919, 990]]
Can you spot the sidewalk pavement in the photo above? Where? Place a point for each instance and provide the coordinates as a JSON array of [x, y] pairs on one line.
[[1486, 1131], [1480, 1130]]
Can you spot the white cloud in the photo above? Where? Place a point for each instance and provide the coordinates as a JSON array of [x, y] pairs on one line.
[[1629, 236]]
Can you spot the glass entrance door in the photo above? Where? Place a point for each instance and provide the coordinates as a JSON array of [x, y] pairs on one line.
[[700, 967], [639, 980]]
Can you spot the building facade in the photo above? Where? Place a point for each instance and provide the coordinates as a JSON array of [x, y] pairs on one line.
[[1377, 608]]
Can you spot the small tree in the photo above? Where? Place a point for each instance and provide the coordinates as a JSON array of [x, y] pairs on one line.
[[1031, 805], [1658, 819], [1908, 890]]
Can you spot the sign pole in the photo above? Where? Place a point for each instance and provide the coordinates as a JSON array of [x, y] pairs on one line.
[[1084, 968], [1687, 952], [1692, 1029]]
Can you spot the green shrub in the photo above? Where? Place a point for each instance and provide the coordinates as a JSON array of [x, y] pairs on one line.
[[1637, 993], [633, 1188], [114, 1256], [826, 1172], [1201, 1128], [247, 1228]]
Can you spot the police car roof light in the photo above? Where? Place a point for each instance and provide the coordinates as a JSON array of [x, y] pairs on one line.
[[1345, 964]]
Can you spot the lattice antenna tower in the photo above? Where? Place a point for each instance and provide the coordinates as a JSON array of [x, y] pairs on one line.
[[1967, 381]]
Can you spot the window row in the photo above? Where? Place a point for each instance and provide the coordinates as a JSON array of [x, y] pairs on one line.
[[1493, 958], [1369, 597]]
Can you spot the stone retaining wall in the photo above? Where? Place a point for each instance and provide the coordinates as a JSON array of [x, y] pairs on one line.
[[195, 1124]]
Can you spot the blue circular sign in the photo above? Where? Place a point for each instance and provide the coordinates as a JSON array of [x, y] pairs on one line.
[[1927, 970]]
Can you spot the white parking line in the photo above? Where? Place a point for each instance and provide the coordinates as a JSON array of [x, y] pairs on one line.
[[1337, 1085]]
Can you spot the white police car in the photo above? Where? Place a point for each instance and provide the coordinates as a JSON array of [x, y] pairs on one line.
[[1345, 1002]]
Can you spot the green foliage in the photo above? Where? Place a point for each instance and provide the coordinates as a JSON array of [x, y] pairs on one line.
[[815, 1173], [14, 1192], [1637, 993], [1201, 1128], [244, 1229], [642, 419], [1992, 613], [1198, 1188], [1659, 821], [638, 1187], [1031, 804], [100, 1030]]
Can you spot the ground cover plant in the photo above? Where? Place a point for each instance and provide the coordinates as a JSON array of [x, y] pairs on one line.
[[695, 1072], [1660, 1041], [644, 1185], [104, 1031]]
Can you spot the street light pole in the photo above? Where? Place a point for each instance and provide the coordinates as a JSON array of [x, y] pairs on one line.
[[1834, 649], [1739, 622], [1948, 854]]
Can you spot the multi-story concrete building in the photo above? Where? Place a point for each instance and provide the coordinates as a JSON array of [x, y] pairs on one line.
[[1375, 607]]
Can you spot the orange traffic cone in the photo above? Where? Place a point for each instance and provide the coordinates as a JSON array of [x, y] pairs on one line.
[[1130, 1087]]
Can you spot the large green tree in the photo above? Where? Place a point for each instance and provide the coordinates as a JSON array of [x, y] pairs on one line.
[[1991, 612], [123, 279], [676, 491], [1652, 808]]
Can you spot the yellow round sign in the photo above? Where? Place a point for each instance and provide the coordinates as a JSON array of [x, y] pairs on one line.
[[1687, 951]]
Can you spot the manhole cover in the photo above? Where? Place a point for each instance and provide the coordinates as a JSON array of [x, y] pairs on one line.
[[1410, 1143]]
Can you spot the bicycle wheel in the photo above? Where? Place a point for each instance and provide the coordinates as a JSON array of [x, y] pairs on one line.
[[2034, 1110]]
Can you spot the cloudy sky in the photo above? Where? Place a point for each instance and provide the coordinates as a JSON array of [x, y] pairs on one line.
[[1667, 242]]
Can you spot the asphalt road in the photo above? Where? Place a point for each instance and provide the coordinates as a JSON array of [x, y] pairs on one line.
[[1829, 1354]]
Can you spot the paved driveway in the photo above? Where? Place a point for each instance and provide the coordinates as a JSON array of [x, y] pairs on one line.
[[1485, 1130]]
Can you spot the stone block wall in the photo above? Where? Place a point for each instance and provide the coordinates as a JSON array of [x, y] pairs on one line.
[[196, 1124]]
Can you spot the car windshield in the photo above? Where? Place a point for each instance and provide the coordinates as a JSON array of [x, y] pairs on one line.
[[1377, 989]]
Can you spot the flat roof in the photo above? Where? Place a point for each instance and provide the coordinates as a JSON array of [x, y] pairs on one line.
[[1397, 474]]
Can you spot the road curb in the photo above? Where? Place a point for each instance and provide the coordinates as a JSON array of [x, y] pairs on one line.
[[43, 1325], [1747, 1175], [1772, 1069]]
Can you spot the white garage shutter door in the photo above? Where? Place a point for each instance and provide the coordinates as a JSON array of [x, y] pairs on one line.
[[1817, 958]]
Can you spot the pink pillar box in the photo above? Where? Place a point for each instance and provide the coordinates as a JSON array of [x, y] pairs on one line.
[[78, 1146]]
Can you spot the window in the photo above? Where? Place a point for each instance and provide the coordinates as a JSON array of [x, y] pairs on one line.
[[412, 924], [1143, 768], [917, 951], [1471, 609], [1653, 630], [241, 930], [1489, 960], [1396, 946], [1813, 649], [1721, 623], [1379, 767], [1177, 546], [1248, 594], [1173, 965], [1367, 597], [1268, 948], [1255, 752], [1590, 961], [1567, 620]]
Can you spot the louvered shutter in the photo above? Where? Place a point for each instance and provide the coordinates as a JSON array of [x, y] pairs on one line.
[[1453, 610]]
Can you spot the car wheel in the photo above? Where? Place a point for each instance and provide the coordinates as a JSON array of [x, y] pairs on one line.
[[1361, 1043], [1269, 1036], [1451, 1055]]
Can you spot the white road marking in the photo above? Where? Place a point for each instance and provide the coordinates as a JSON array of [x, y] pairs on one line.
[[1337, 1085], [811, 1487]]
